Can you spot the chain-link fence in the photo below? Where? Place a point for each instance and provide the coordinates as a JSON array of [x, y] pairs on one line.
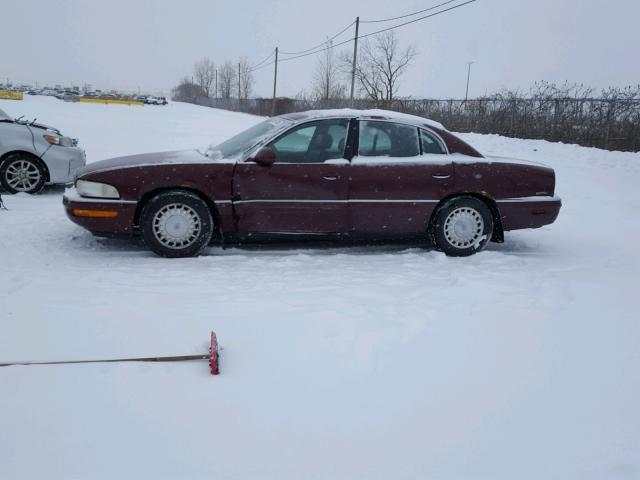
[[613, 124]]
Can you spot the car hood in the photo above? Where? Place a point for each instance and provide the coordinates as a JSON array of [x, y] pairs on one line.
[[7, 119], [146, 160], [45, 127]]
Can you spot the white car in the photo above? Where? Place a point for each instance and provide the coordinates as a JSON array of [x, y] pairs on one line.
[[33, 155]]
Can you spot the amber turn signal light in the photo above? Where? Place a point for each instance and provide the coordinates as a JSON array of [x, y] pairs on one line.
[[94, 213]]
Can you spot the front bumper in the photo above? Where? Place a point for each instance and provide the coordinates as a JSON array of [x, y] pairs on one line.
[[63, 162], [100, 216]]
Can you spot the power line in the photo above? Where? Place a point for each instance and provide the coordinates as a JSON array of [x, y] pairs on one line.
[[253, 67], [409, 14], [262, 66], [334, 45], [418, 19], [323, 43], [380, 31]]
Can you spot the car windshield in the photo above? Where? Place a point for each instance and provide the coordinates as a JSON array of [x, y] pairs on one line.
[[246, 140]]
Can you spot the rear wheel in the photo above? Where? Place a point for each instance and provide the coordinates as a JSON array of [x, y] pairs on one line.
[[22, 173], [462, 226], [176, 224]]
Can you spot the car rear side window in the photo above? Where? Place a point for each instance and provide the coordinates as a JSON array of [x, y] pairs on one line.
[[384, 139], [430, 144]]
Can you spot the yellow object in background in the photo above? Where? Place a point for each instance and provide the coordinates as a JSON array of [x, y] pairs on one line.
[[10, 95], [108, 100]]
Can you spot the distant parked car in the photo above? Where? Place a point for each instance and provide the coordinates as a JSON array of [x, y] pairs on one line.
[[32, 155], [318, 174], [151, 100]]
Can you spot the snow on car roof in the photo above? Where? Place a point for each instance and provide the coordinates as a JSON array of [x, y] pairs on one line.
[[369, 113]]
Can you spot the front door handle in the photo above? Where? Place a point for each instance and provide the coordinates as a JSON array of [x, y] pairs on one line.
[[330, 178], [440, 176]]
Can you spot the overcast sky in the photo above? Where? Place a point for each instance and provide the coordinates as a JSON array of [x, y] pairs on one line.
[[151, 44]]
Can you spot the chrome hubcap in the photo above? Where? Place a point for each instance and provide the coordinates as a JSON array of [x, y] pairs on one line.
[[23, 175], [463, 227], [177, 226]]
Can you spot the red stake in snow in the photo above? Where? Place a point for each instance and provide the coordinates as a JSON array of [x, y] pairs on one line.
[[212, 357]]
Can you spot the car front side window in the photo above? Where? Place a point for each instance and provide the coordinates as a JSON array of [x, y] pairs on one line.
[[314, 142]]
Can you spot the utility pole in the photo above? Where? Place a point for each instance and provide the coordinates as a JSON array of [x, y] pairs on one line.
[[216, 93], [466, 95], [239, 84], [355, 55], [275, 82]]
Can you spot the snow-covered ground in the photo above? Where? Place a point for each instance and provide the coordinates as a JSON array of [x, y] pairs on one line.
[[521, 362]]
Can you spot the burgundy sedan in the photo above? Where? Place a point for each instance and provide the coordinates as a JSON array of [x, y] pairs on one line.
[[319, 174]]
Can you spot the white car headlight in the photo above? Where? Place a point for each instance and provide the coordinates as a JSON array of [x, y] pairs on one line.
[[96, 190], [60, 140]]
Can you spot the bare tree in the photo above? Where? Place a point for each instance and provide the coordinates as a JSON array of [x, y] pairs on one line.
[[227, 78], [326, 80], [204, 72], [187, 91], [246, 78], [380, 65]]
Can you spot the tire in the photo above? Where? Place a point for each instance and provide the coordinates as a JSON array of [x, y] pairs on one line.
[[462, 226], [22, 172], [176, 224]]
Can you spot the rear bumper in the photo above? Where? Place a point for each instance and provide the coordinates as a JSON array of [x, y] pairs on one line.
[[119, 214], [528, 212]]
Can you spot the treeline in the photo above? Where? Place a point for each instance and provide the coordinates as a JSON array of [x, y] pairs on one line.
[[376, 74], [608, 119], [209, 80], [570, 113]]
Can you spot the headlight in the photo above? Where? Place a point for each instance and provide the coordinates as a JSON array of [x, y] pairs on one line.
[[58, 140], [97, 190]]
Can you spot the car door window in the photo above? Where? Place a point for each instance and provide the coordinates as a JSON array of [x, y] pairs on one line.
[[384, 139], [314, 142], [430, 144]]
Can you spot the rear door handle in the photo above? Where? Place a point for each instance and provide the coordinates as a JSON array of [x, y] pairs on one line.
[[330, 178], [440, 176]]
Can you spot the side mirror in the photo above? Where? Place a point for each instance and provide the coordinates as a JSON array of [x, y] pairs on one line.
[[265, 157]]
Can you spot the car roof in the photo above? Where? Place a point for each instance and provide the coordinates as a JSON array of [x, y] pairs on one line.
[[370, 114]]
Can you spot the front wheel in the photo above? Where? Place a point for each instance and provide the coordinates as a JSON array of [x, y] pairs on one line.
[[462, 226], [22, 173], [176, 224]]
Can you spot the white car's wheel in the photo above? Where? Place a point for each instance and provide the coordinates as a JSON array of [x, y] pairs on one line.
[[22, 173]]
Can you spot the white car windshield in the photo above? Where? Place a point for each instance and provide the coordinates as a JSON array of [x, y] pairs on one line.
[[245, 141]]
